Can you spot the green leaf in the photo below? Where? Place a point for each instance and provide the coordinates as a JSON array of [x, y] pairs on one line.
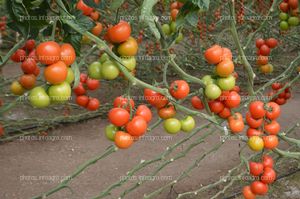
[[92, 4], [202, 4], [84, 22], [76, 71], [75, 40], [116, 4], [148, 17]]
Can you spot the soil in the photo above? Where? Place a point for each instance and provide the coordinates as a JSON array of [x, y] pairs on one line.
[[31, 167]]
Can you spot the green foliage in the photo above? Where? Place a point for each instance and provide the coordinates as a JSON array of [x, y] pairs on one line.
[[148, 17]]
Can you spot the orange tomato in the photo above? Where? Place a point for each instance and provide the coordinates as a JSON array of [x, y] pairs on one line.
[[67, 54], [28, 81], [56, 73], [123, 140], [48, 52], [97, 29], [214, 54], [225, 68]]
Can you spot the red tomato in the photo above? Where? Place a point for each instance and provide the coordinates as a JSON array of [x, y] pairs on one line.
[[37, 71], [288, 95], [256, 168], [271, 42], [253, 132], [269, 176], [267, 161], [18, 56], [273, 110], [123, 140], [236, 89], [167, 112], [27, 81], [280, 101], [247, 193], [293, 4], [118, 116], [236, 126], [79, 90], [233, 100], [179, 89], [270, 141], [284, 7], [253, 123], [257, 110], [226, 54], [264, 50], [145, 112], [259, 188], [83, 78], [48, 52], [82, 100], [262, 60], [120, 32], [33, 55], [197, 103], [213, 55], [86, 10], [93, 104], [235, 116], [272, 128], [92, 84], [276, 86], [29, 66], [122, 102], [30, 44], [174, 5], [174, 14], [97, 29], [67, 54], [154, 98], [137, 126], [216, 106], [225, 113], [259, 42]]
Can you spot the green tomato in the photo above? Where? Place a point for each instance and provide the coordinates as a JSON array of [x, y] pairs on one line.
[[212, 91], [226, 83], [207, 79], [60, 93], [109, 70], [179, 38], [284, 25], [70, 76], [110, 131], [104, 57], [293, 21], [166, 29], [173, 26], [172, 125], [129, 62], [39, 98], [283, 16], [94, 70], [188, 124]]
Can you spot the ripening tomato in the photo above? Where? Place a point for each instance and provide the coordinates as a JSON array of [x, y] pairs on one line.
[[145, 112], [154, 98], [19, 55], [79, 90], [1, 130], [256, 168], [257, 110], [197, 103], [86, 10], [273, 110], [67, 54], [97, 29], [16, 88], [48, 52], [33, 55], [137, 126], [82, 100], [247, 193], [212, 91], [269, 176], [92, 84], [128, 48], [216, 106], [174, 14], [280, 101], [288, 95], [122, 102], [272, 128], [95, 15], [293, 4], [110, 132], [119, 33], [174, 5], [233, 100], [56, 73], [267, 161], [253, 132], [37, 71], [236, 126], [118, 116], [225, 68], [213, 55], [29, 44], [93, 104], [187, 124], [29, 66], [123, 140], [284, 7], [271, 42], [27, 81], [227, 54], [264, 50], [225, 113], [39, 98], [256, 143], [262, 60], [266, 69], [259, 42], [270, 141], [167, 112], [276, 86], [235, 116], [179, 89], [259, 188]]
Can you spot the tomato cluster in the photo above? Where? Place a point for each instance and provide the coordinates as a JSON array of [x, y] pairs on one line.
[[29, 66], [241, 12], [263, 51], [3, 23], [282, 98], [87, 83], [266, 174], [289, 15], [123, 129], [1, 130], [175, 7]]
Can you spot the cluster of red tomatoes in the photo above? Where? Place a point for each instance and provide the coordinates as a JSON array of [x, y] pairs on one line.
[[241, 12], [3, 23], [127, 123], [93, 14], [282, 98], [289, 14], [263, 127], [175, 7], [29, 66], [1, 130], [87, 83], [263, 51], [266, 174]]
